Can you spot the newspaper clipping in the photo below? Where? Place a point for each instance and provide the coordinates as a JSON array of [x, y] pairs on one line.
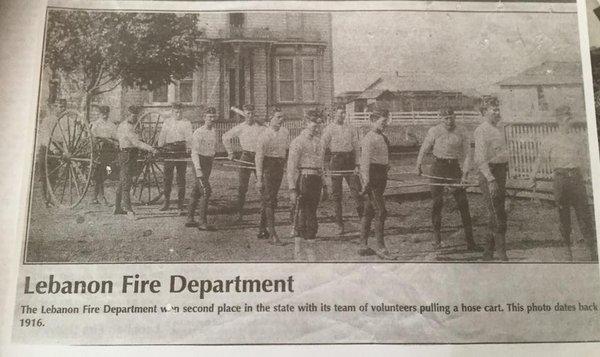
[[386, 173]]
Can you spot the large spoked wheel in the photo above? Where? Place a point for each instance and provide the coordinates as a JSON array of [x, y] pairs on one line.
[[69, 159], [147, 185]]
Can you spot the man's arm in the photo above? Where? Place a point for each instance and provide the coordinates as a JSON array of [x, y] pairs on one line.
[[195, 147], [229, 136], [425, 147], [292, 165], [162, 136], [259, 157], [365, 160], [466, 152], [355, 145], [479, 155]]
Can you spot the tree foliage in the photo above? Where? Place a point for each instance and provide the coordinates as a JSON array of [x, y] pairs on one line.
[[106, 49]]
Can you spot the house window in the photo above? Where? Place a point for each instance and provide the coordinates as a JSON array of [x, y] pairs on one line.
[[309, 79], [160, 94], [542, 103], [293, 21], [186, 90], [285, 79], [236, 19]]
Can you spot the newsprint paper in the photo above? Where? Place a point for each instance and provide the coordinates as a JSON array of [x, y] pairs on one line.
[[289, 177]]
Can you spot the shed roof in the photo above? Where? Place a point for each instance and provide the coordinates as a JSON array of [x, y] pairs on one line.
[[547, 74]]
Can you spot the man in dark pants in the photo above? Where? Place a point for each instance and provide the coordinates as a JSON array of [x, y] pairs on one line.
[[304, 174], [175, 136], [271, 151], [568, 156], [129, 144], [204, 141], [104, 131], [342, 141], [491, 159], [449, 144], [247, 132], [374, 166]]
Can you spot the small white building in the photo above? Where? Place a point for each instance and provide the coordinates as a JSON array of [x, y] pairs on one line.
[[532, 95]]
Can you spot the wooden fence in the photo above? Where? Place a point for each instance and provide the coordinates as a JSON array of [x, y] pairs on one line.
[[418, 118], [524, 140]]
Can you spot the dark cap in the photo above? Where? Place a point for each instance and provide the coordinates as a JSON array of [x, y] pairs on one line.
[[314, 115], [134, 109], [104, 109], [248, 107], [211, 110], [562, 110], [177, 105], [488, 103], [444, 113]]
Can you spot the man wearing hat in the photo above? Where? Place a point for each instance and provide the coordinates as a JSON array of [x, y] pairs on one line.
[[342, 141], [305, 175], [491, 160], [175, 138], [449, 145], [129, 144], [270, 157], [204, 142], [567, 153], [374, 166], [105, 133], [247, 132]]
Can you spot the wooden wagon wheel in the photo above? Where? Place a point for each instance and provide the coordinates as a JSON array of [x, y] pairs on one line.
[[69, 159], [147, 182]]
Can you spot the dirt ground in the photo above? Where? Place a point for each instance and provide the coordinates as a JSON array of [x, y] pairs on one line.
[[91, 233]]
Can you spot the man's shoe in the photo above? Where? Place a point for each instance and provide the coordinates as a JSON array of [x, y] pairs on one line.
[[120, 211], [473, 247], [366, 251], [95, 201], [206, 227], [191, 223], [164, 208], [262, 235]]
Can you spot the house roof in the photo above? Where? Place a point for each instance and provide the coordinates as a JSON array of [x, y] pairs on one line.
[[407, 83], [548, 73]]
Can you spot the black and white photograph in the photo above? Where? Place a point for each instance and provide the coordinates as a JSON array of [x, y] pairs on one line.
[[310, 137], [374, 175]]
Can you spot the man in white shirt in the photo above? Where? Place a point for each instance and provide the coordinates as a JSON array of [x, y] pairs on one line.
[[491, 159], [567, 153], [341, 139], [174, 138], [129, 144], [305, 175], [374, 166], [449, 144], [204, 142], [247, 132], [271, 151], [105, 135]]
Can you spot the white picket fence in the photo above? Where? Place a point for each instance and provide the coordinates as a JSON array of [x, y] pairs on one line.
[[417, 118]]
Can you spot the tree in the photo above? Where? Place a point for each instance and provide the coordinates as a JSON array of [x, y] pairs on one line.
[[108, 49]]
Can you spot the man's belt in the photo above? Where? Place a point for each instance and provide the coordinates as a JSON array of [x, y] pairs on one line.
[[130, 149], [567, 171], [310, 171], [446, 160]]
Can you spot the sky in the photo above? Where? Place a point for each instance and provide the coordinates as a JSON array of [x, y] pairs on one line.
[[466, 50]]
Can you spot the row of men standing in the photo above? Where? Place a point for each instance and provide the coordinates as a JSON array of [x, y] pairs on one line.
[[266, 148]]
